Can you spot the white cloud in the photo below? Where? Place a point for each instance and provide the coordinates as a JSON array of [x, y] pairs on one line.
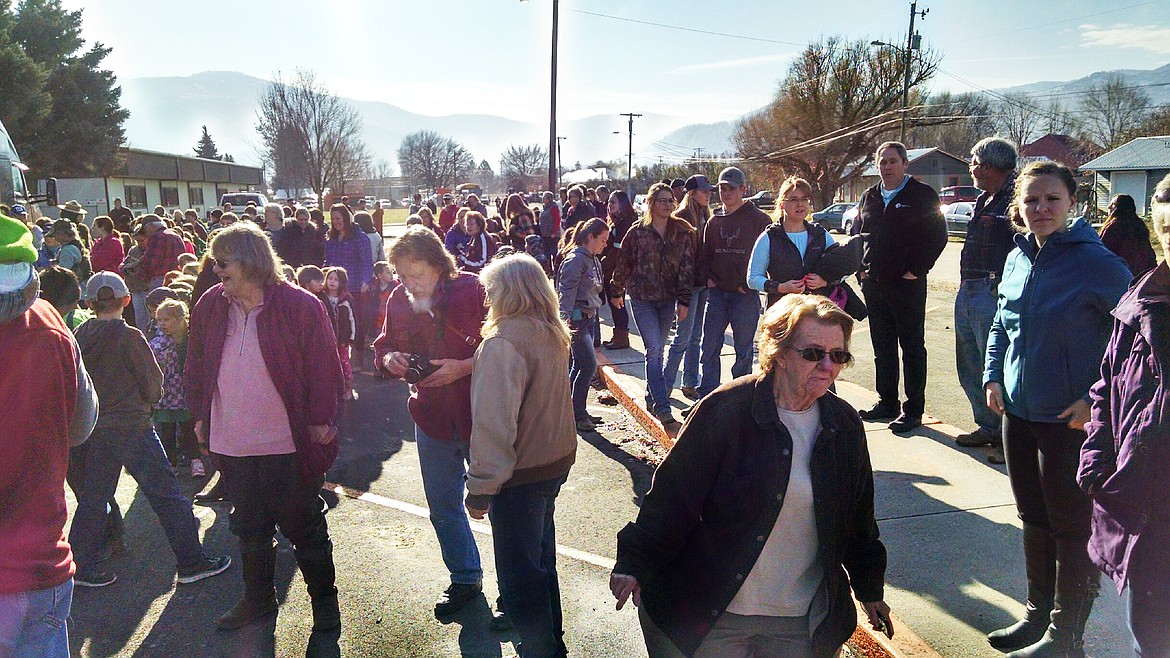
[[732, 63], [1123, 35]]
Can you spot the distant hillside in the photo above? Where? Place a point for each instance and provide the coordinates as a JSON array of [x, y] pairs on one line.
[[166, 115], [1154, 82]]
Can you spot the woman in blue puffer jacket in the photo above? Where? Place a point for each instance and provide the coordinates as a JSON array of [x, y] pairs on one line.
[[1043, 354]]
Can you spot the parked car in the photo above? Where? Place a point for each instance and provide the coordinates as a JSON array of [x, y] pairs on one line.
[[849, 220], [959, 193], [957, 216], [241, 199], [764, 200], [833, 217]]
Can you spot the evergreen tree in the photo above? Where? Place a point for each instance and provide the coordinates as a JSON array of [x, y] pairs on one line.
[[69, 120], [206, 147]]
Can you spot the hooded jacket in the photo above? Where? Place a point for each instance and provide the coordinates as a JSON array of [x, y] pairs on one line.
[[1052, 321], [1125, 459], [127, 378]]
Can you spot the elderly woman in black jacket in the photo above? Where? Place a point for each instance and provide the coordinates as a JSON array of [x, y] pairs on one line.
[[763, 504]]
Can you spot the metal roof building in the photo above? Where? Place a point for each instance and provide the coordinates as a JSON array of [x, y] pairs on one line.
[[1134, 168]]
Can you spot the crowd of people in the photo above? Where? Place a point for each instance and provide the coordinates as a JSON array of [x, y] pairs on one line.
[[160, 344]]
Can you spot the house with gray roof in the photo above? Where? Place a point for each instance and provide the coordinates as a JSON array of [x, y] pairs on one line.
[[1134, 168], [932, 166]]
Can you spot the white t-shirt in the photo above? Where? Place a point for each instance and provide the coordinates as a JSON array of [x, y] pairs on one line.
[[785, 578]]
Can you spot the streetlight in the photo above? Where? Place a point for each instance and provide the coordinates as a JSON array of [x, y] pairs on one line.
[[913, 42], [552, 113]]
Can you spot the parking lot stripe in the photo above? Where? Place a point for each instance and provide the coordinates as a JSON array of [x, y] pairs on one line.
[[476, 526]]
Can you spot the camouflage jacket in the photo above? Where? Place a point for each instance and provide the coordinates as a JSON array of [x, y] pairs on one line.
[[656, 268]]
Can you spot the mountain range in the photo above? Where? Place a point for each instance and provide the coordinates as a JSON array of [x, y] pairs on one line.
[[166, 114]]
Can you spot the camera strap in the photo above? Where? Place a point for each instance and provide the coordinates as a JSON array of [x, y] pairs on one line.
[[442, 323]]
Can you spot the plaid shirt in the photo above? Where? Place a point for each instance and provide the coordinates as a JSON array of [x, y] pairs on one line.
[[990, 237], [162, 254]]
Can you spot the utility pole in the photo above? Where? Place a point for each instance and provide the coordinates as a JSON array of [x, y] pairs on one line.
[[560, 162], [630, 161], [553, 185], [913, 40], [698, 154]]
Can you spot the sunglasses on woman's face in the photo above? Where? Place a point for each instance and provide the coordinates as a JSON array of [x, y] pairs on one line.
[[816, 354]]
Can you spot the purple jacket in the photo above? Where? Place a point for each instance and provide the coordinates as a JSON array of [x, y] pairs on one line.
[[300, 352], [354, 255], [1128, 449]]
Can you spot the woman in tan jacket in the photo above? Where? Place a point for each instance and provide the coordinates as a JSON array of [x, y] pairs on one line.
[[523, 442]]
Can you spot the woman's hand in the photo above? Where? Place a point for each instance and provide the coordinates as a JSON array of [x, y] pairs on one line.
[[321, 434], [793, 286], [815, 281], [994, 392], [449, 371], [879, 617], [474, 513], [1077, 414], [395, 363], [618, 302], [622, 586], [681, 312]]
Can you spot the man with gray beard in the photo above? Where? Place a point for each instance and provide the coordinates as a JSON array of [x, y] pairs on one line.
[[432, 330]]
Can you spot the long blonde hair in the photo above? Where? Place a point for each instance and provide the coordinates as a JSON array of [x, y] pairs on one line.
[[517, 286]]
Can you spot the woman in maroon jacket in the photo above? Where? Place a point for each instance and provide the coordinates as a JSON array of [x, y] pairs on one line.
[[1125, 460], [267, 414]]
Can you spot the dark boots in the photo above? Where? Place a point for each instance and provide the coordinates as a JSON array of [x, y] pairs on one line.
[[620, 340], [316, 563], [1040, 562], [258, 564], [1077, 584]]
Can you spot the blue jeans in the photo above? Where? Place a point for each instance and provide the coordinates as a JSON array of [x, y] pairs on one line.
[[141, 452], [33, 624], [684, 347], [525, 540], [444, 469], [653, 320], [584, 364], [974, 312], [742, 311]]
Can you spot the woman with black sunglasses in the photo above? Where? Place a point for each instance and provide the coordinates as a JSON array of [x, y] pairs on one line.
[[760, 520]]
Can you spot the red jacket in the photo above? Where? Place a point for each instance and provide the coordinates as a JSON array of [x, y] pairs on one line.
[[443, 412], [38, 383], [162, 253], [300, 351], [447, 219], [107, 255]]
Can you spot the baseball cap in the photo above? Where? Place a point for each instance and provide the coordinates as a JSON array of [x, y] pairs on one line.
[[733, 176], [678, 182], [106, 280], [19, 210], [698, 182]]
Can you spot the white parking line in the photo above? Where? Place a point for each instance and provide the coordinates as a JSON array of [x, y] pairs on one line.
[[476, 526]]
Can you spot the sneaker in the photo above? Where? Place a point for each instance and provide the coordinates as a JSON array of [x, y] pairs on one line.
[[597, 420], [976, 439], [996, 455], [905, 423], [93, 578], [197, 470], [880, 411], [205, 568], [586, 425], [666, 418], [456, 596], [690, 392]]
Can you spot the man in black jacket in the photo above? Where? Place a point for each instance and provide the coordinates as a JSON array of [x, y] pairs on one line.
[[904, 233]]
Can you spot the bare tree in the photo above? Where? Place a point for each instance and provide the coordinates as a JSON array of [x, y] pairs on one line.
[[522, 167], [1020, 120], [838, 100], [953, 122], [1060, 121], [1111, 108], [427, 159], [309, 134]]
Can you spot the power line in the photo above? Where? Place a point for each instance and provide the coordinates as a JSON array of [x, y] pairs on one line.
[[1033, 28], [688, 29]]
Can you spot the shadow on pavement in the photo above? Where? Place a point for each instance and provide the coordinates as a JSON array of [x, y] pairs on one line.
[[476, 637], [641, 473], [372, 430]]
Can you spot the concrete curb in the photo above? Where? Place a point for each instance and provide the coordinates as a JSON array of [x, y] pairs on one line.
[[905, 643]]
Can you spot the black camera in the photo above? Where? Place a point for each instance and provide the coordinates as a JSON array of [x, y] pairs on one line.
[[418, 368]]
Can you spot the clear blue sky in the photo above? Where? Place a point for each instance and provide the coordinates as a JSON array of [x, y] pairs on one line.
[[443, 57]]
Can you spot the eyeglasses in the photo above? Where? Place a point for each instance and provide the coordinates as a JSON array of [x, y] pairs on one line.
[[816, 355], [221, 263], [796, 199]]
